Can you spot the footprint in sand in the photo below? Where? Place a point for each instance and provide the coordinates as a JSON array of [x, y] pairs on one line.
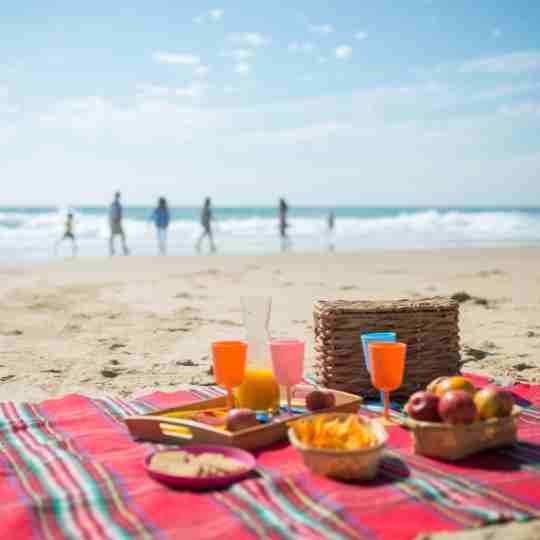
[[109, 374], [187, 363], [12, 333], [172, 330]]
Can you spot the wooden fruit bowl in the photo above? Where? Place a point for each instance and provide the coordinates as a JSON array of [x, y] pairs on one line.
[[451, 442]]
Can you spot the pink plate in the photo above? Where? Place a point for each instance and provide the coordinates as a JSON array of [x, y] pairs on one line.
[[209, 482]]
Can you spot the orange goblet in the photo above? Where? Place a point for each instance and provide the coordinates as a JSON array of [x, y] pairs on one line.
[[229, 358], [387, 368]]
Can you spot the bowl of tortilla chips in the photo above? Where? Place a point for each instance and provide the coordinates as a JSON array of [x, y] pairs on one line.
[[339, 445]]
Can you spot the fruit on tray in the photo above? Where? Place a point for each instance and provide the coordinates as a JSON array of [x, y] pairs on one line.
[[325, 431], [320, 399], [454, 383], [423, 406], [432, 386], [238, 419], [493, 403], [457, 407]]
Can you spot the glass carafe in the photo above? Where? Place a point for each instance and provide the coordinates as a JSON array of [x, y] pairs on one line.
[[259, 391]]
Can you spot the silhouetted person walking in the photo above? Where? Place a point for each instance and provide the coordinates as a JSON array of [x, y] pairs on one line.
[[283, 224], [331, 226], [161, 217], [115, 222], [206, 222]]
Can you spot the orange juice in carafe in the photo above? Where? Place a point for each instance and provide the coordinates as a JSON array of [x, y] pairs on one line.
[[259, 390]]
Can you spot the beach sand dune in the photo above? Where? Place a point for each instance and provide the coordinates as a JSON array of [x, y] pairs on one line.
[[128, 326]]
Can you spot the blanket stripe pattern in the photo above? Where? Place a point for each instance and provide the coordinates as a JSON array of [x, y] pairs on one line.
[[70, 470]]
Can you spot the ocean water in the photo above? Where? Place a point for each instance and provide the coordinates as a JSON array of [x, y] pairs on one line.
[[29, 234]]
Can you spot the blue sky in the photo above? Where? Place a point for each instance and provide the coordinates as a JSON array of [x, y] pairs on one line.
[[345, 102]]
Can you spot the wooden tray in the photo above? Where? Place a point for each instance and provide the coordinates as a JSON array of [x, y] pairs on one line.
[[156, 427], [452, 442]]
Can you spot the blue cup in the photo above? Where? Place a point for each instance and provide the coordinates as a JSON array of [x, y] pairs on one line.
[[375, 337]]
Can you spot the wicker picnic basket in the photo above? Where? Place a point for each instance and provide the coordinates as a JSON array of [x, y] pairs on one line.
[[428, 326]]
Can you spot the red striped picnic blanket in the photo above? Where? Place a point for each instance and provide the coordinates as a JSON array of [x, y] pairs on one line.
[[70, 470]]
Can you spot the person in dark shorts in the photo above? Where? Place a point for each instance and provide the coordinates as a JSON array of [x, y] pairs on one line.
[[283, 211], [68, 235], [115, 222], [206, 222]]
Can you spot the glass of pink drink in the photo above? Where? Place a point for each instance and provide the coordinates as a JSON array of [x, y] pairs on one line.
[[287, 363]]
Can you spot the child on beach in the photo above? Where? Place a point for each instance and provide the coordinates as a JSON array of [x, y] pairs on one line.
[[68, 235]]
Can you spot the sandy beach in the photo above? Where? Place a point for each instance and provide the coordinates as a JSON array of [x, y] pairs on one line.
[[127, 326]]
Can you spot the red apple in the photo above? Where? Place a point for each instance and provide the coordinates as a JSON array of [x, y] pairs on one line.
[[423, 406], [320, 399], [457, 407]]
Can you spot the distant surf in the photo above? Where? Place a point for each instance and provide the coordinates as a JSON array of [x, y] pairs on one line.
[[29, 234]]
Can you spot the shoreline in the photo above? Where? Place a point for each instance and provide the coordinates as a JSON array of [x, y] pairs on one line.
[[137, 324]]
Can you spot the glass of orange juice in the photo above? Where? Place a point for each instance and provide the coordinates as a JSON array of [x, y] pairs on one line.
[[387, 368], [259, 390], [229, 358]]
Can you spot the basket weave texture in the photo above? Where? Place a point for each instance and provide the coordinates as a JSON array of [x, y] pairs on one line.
[[448, 442], [428, 326]]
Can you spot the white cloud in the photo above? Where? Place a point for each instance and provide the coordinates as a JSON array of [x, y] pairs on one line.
[[252, 39], [511, 63], [239, 54], [174, 58], [360, 36], [193, 91], [305, 46], [213, 15], [216, 14], [496, 33], [202, 71], [324, 29], [242, 68], [322, 60], [343, 52], [520, 109], [88, 113]]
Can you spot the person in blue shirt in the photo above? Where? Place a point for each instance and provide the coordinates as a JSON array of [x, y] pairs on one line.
[[161, 218]]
